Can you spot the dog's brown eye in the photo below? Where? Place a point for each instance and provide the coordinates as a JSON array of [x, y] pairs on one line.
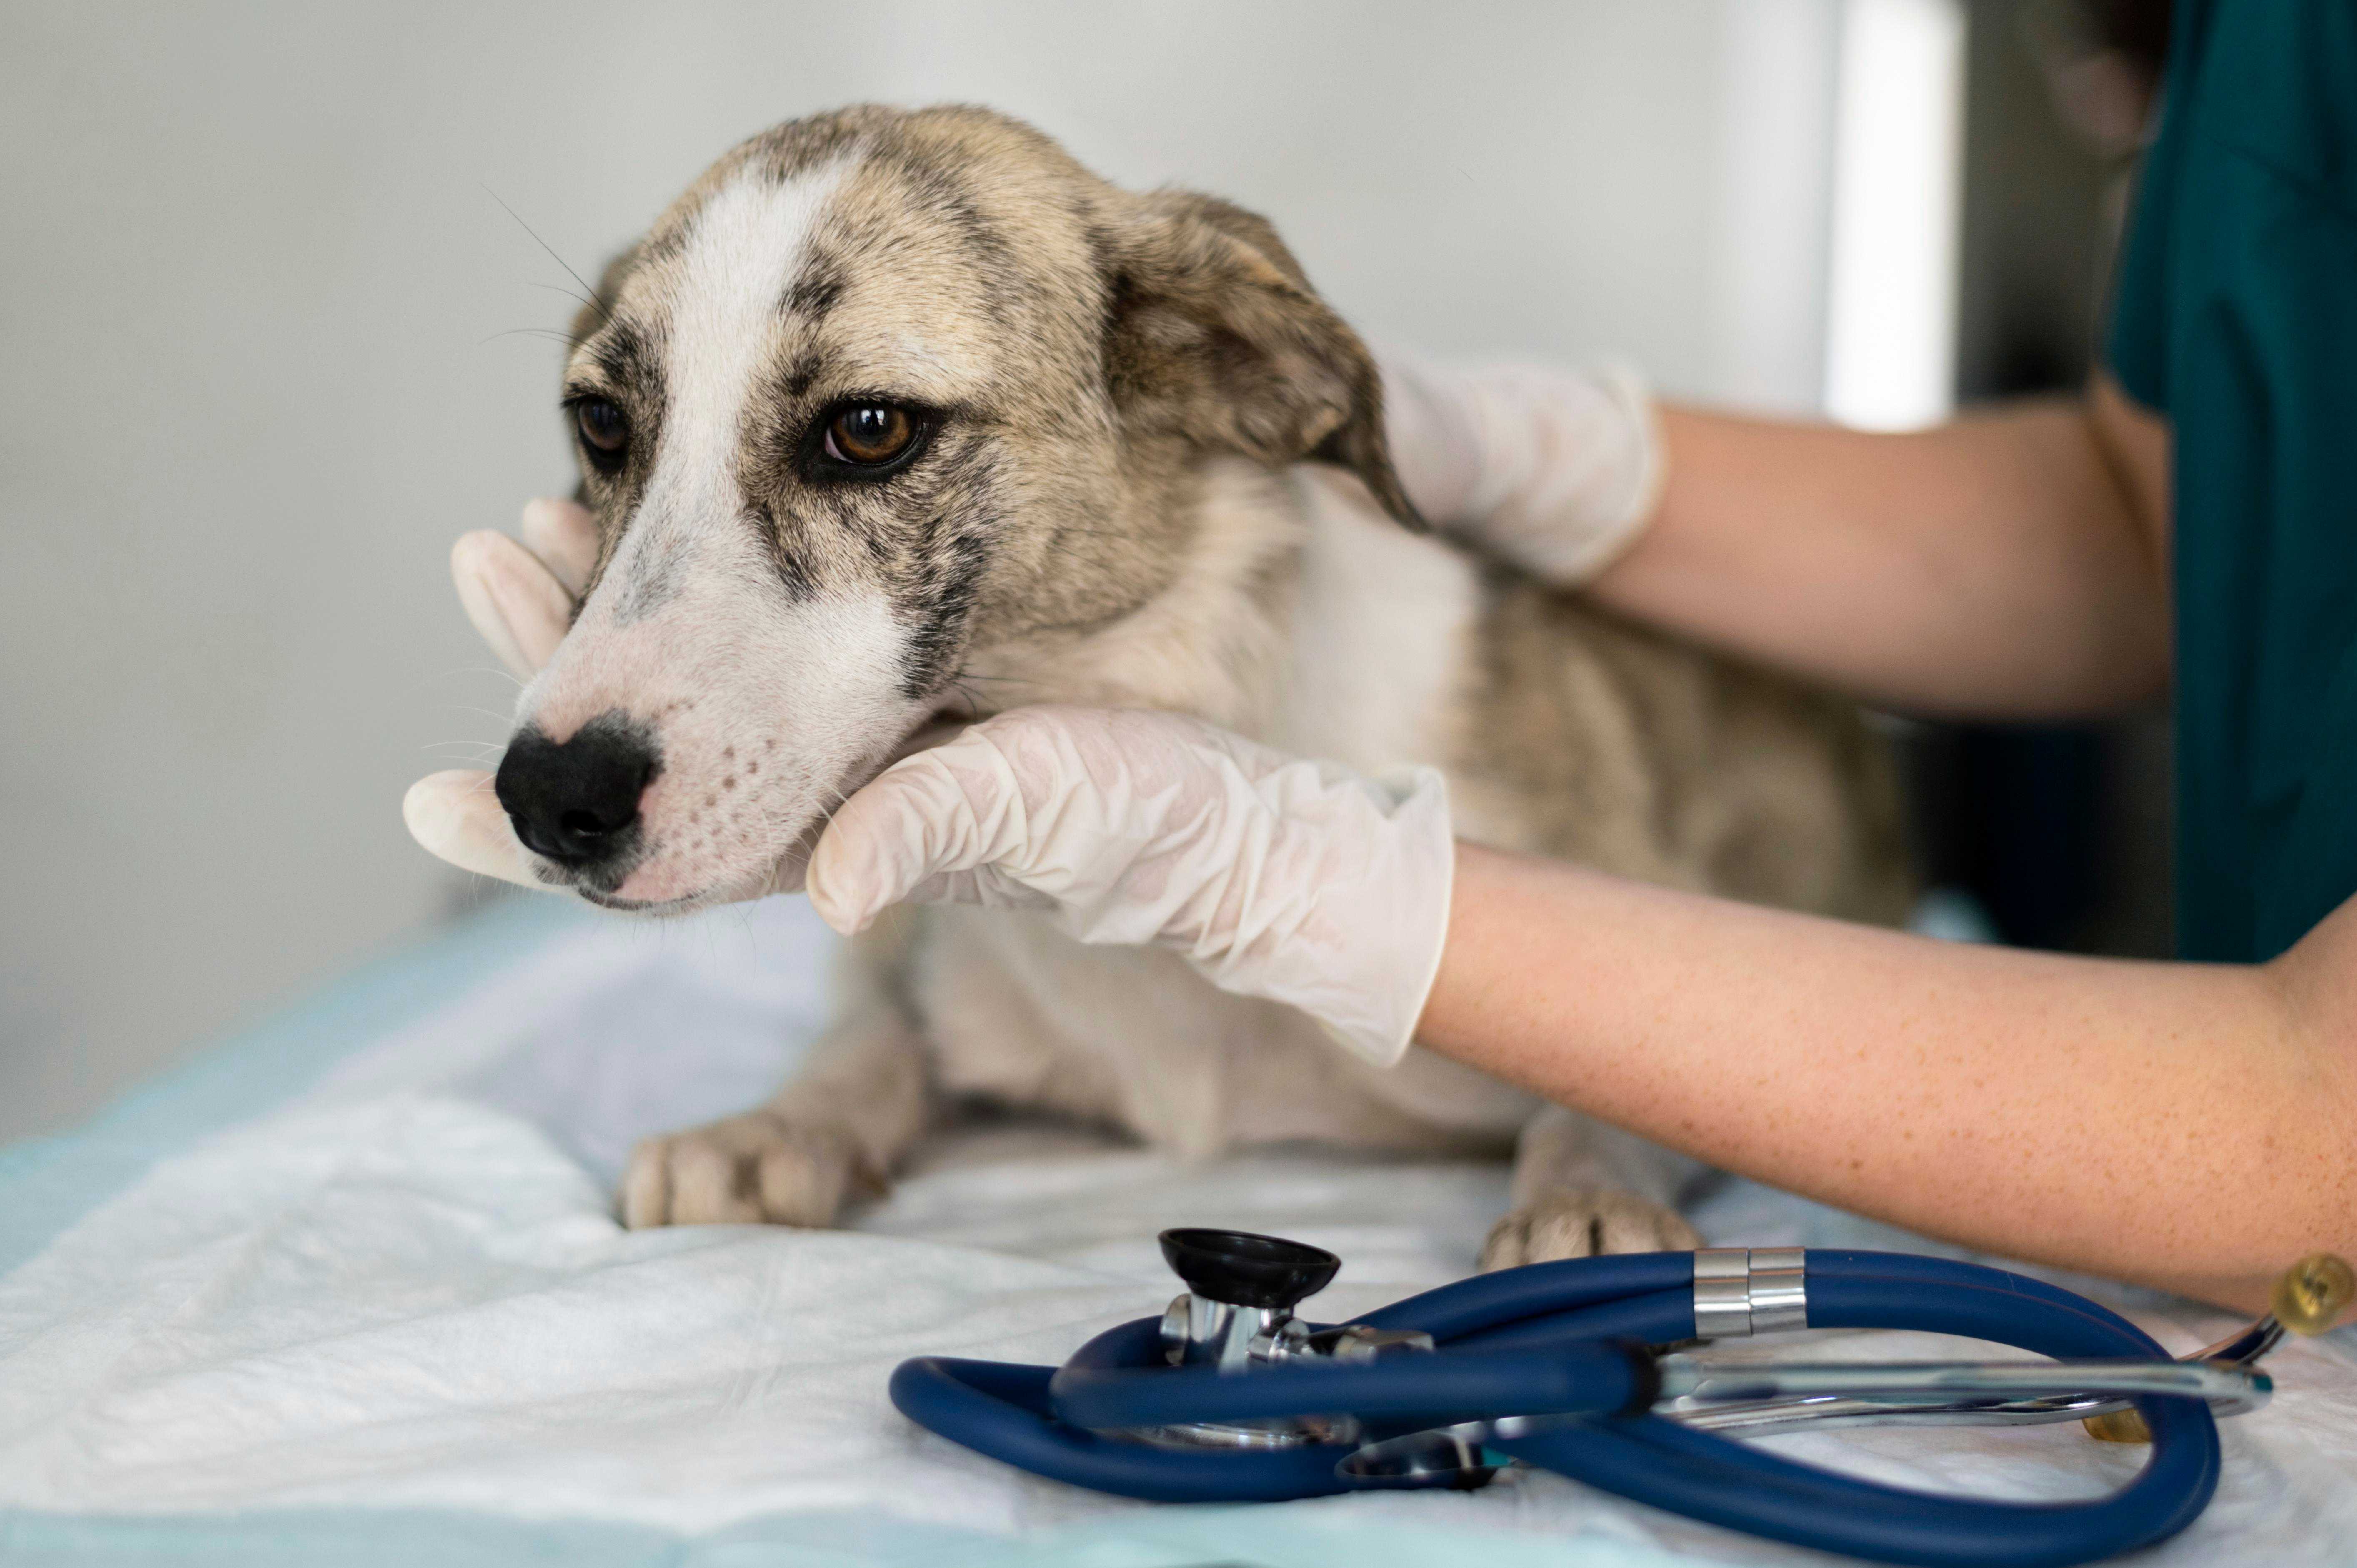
[[869, 433], [603, 429]]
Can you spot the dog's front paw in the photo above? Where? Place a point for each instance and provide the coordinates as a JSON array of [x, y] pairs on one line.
[[1584, 1223], [750, 1169]]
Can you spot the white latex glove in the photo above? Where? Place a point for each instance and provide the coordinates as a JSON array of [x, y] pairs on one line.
[[519, 598], [1555, 470], [1300, 882]]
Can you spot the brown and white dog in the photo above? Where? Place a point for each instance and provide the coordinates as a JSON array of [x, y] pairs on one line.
[[896, 417]]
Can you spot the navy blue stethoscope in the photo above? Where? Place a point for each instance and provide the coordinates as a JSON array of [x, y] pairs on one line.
[[1228, 1397]]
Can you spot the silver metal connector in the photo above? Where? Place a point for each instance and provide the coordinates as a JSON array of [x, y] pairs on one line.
[[1742, 1290]]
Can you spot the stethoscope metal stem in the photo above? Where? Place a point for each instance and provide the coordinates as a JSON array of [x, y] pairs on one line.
[[1754, 1398], [1807, 1403]]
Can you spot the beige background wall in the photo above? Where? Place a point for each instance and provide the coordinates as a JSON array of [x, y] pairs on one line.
[[265, 346]]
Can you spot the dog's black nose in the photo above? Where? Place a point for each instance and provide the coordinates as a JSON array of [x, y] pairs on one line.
[[576, 801]]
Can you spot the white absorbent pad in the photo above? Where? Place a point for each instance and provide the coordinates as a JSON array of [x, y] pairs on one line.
[[404, 1289]]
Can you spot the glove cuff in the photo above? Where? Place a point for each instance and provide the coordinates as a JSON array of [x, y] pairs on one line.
[[1615, 513], [1572, 467], [1375, 1016]]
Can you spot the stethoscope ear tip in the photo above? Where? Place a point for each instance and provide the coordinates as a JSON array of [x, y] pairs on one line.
[[2308, 1299], [2118, 1426], [2313, 1294]]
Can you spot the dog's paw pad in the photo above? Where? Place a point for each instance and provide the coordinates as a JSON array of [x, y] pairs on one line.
[[745, 1170], [1584, 1223]]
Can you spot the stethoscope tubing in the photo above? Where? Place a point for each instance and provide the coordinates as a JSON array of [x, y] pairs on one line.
[[1594, 1377], [1552, 1340], [1002, 1408]]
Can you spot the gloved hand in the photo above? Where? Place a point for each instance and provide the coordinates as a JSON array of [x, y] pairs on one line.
[[1300, 882], [521, 598], [1555, 470]]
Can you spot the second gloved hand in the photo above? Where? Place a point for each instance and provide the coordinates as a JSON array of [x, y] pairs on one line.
[[1557, 469], [1300, 882]]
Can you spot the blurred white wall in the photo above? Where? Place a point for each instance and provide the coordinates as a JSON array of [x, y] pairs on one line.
[[253, 283]]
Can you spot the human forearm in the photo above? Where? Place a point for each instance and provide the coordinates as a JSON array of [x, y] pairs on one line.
[[2008, 564], [2180, 1125]]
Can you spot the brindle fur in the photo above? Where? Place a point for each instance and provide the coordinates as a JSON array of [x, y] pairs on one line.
[[1159, 479]]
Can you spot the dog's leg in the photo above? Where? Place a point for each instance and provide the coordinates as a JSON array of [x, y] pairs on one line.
[[1582, 1189], [836, 1130]]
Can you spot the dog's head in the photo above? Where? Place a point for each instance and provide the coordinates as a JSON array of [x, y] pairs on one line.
[[880, 391]]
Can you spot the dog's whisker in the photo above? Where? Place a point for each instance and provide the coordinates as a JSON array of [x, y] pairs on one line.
[[501, 670], [527, 332], [587, 286], [560, 288]]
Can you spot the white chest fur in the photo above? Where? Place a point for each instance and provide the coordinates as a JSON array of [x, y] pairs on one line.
[[1381, 628]]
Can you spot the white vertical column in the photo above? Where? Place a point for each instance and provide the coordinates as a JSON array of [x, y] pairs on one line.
[[1890, 324], [1769, 252]]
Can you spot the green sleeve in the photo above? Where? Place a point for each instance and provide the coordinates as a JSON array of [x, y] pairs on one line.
[[2138, 351]]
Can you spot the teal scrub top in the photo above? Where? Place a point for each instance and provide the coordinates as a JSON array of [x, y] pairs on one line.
[[2235, 314]]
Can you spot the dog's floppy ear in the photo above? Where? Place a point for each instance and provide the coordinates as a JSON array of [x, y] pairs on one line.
[[1213, 334]]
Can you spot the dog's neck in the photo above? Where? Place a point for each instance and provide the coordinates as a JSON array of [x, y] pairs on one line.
[[1300, 615]]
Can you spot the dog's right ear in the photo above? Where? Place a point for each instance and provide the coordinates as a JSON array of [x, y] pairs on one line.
[[1213, 334]]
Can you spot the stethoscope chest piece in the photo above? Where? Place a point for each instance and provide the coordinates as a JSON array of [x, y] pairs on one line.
[[1237, 1314]]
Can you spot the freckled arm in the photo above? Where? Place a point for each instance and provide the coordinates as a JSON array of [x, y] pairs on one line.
[[2188, 1126]]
